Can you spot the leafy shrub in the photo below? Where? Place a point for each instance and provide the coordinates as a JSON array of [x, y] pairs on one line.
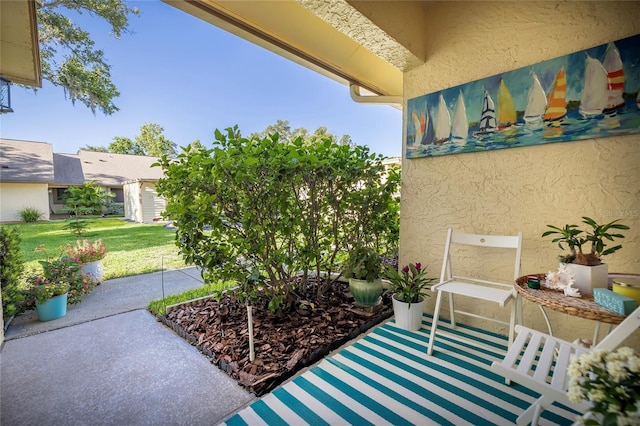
[[30, 214], [115, 209], [83, 200], [278, 207], [10, 269]]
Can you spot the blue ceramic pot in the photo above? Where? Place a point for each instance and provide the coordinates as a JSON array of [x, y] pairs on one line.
[[54, 308]]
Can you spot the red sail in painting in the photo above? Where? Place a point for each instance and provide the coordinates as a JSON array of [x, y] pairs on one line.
[[615, 78], [557, 104]]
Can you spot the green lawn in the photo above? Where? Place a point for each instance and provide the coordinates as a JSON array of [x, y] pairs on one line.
[[132, 248]]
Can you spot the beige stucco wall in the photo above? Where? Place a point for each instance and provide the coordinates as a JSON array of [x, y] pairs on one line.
[[17, 196], [519, 189]]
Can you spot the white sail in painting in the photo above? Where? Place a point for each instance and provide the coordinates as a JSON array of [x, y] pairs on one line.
[[429, 133], [418, 124], [615, 78], [536, 102], [460, 128], [594, 93], [443, 123]]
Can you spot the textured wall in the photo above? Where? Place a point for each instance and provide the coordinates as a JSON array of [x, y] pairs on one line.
[[17, 196], [516, 189]]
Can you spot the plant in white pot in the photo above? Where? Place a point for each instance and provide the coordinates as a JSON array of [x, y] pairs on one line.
[[89, 255], [588, 270], [409, 287], [363, 268]]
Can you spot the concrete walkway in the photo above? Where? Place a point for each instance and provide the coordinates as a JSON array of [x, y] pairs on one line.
[[109, 361]]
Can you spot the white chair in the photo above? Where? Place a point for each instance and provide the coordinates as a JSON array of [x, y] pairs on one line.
[[451, 284], [539, 362]]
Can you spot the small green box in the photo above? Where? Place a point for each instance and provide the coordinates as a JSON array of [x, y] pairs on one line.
[[618, 303]]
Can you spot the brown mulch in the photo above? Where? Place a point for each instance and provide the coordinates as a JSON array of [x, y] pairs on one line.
[[284, 343]]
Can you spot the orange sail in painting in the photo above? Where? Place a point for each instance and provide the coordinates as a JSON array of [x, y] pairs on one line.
[[556, 103]]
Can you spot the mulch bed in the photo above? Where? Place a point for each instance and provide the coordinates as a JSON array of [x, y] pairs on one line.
[[284, 344]]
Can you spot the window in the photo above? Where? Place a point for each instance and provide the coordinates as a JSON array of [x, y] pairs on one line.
[[59, 195], [119, 198]]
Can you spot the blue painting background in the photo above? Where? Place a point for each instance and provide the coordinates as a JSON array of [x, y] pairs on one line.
[[573, 127]]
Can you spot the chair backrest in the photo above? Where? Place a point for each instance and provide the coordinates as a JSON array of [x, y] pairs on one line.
[[481, 240], [621, 332]]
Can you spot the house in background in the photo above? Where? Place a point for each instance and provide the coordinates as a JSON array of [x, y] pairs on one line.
[[26, 171], [32, 175]]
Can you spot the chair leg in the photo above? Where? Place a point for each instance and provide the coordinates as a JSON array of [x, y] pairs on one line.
[[434, 323], [452, 310], [532, 414], [512, 323], [512, 330]]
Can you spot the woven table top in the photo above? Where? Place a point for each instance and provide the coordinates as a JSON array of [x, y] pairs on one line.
[[583, 307]]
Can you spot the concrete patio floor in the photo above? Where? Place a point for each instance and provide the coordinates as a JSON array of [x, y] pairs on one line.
[[109, 361]]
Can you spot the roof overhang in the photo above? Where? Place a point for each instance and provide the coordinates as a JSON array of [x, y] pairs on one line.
[[19, 49], [338, 39]]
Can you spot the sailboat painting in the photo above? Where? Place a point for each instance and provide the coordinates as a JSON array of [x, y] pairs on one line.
[[594, 93]]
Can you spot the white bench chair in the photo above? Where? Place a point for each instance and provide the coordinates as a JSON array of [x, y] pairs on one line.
[[540, 361]]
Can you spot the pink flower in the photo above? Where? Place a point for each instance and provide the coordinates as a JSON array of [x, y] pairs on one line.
[[418, 266], [406, 269]]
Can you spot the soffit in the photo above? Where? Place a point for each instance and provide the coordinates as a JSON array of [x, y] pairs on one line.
[[19, 51], [329, 37]]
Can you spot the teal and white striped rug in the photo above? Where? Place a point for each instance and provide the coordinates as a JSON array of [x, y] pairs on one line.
[[386, 378]]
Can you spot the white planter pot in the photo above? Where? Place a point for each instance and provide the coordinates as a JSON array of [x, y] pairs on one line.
[[94, 269], [588, 277], [408, 317]]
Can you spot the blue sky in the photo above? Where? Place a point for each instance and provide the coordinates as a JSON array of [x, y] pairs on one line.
[[191, 78]]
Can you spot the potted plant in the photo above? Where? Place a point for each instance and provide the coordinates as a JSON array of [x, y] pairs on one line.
[[363, 268], [48, 295], [67, 270], [588, 270], [89, 255], [610, 380], [409, 290]]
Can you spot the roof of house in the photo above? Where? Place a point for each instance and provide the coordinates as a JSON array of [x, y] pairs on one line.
[[25, 162], [114, 169], [67, 169]]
